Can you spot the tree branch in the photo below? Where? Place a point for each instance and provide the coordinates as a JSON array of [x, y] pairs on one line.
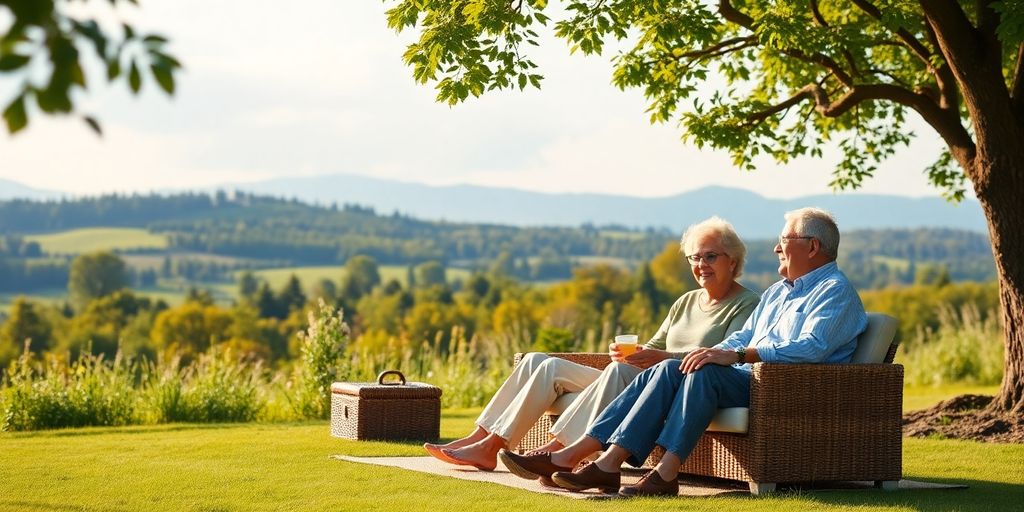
[[817, 14], [809, 91], [730, 13], [946, 123], [721, 48], [988, 20], [908, 39], [949, 92], [825, 62]]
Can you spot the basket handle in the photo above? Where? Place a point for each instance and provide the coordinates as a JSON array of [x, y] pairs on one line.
[[380, 378]]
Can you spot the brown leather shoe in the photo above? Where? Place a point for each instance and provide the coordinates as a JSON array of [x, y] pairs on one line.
[[587, 477], [532, 466], [651, 484]]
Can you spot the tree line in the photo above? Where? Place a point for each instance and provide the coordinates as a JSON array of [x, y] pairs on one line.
[[269, 232], [103, 315]]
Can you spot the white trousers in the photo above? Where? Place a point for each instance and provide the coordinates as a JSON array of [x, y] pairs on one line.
[[537, 381], [573, 422]]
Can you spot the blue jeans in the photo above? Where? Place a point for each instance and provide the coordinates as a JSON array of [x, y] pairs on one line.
[[668, 408]]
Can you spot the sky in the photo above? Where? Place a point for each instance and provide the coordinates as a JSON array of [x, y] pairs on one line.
[[273, 89]]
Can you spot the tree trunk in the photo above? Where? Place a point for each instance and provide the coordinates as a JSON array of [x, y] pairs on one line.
[[996, 168], [1002, 199]]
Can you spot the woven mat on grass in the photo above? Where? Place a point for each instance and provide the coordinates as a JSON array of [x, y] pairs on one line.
[[690, 486]]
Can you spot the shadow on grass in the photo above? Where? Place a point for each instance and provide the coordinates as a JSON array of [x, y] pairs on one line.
[[42, 505], [979, 496], [149, 429]]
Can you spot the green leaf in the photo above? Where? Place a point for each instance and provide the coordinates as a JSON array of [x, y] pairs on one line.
[[93, 124], [113, 69], [134, 78], [13, 61], [522, 81], [163, 76], [77, 75], [155, 39], [15, 115]]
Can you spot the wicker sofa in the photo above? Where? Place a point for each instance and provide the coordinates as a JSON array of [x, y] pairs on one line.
[[806, 422]]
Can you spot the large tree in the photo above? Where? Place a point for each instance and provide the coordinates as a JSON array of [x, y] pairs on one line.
[[94, 275], [787, 78]]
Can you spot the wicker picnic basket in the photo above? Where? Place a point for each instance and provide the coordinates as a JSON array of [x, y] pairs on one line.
[[386, 410]]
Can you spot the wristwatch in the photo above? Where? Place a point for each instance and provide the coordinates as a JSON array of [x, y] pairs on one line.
[[742, 353]]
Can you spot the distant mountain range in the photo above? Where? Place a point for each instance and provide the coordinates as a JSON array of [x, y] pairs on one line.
[[14, 190], [752, 214]]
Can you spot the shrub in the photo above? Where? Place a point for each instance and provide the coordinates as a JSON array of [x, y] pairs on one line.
[[217, 387], [89, 392], [322, 362]]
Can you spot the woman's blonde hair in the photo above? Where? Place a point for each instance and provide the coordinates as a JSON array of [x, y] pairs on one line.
[[726, 236]]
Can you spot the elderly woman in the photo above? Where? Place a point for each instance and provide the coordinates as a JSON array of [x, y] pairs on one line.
[[699, 318]]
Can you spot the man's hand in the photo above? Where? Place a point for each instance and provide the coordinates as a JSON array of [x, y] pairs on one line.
[[646, 357], [698, 358]]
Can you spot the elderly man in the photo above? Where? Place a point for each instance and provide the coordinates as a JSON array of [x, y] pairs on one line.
[[813, 315]]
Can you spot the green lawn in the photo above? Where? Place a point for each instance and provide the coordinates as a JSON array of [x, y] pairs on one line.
[[287, 467], [77, 241], [921, 397]]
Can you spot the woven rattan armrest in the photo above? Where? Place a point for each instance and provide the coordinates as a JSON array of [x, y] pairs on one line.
[[826, 422], [592, 359]]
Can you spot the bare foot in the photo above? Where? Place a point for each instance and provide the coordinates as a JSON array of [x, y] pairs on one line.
[[482, 455], [468, 457], [437, 451]]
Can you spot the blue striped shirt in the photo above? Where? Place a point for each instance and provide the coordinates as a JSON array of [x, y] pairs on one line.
[[814, 319]]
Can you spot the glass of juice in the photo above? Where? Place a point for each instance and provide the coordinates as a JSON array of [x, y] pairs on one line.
[[626, 343]]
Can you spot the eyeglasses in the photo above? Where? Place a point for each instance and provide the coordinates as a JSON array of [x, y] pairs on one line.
[[784, 239], [708, 257]]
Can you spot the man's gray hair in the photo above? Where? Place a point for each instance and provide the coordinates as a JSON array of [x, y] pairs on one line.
[[819, 224], [726, 236]]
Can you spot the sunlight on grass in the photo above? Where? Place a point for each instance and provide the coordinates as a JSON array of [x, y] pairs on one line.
[[922, 397], [78, 241], [288, 467]]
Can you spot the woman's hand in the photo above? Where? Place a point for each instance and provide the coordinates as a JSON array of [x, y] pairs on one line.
[[646, 357], [698, 358], [616, 354]]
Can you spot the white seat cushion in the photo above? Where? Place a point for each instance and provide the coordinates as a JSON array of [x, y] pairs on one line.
[[873, 344], [562, 403], [730, 419]]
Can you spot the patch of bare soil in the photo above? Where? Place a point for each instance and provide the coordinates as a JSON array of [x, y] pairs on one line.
[[965, 417]]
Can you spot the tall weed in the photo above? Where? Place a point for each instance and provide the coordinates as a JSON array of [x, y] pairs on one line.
[[966, 348], [217, 387], [469, 372], [52, 394], [322, 362]]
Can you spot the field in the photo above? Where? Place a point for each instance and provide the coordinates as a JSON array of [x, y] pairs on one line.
[[287, 467], [53, 296], [174, 291], [900, 264], [77, 241]]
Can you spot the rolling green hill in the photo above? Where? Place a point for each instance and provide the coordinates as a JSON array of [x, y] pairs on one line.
[[77, 241]]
